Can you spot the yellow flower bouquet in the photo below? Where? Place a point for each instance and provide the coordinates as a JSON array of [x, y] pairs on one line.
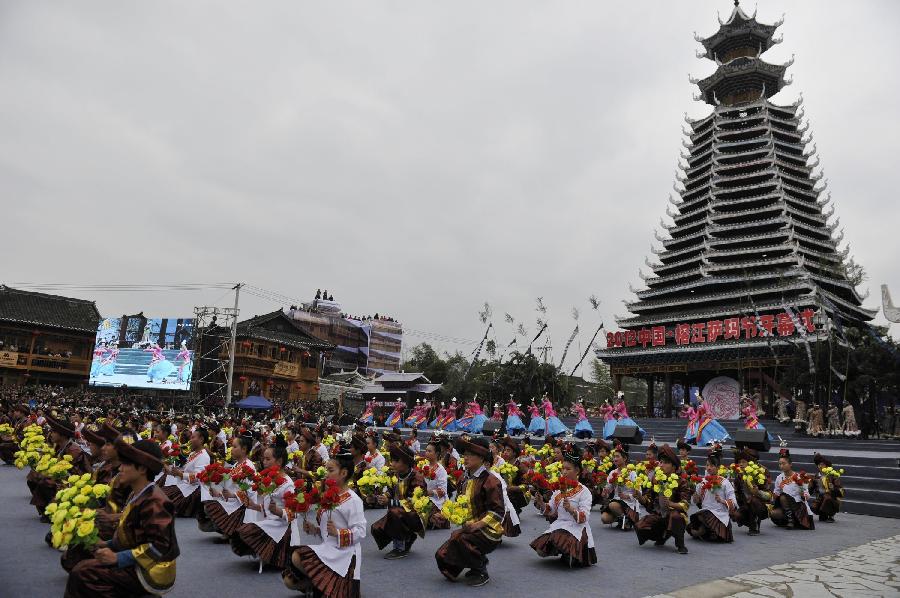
[[457, 511]]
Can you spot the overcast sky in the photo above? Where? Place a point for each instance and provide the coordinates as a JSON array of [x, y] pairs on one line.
[[416, 158]]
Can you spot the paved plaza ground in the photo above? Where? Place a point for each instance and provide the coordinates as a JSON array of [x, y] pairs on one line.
[[748, 567]]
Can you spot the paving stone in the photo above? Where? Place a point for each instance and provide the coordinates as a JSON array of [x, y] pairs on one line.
[[808, 590]]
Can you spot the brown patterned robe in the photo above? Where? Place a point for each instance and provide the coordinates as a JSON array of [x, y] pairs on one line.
[[662, 523], [828, 492], [43, 489], [147, 548], [751, 508], [9, 445], [401, 522], [469, 549]]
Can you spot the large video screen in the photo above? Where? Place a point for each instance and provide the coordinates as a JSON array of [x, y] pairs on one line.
[[140, 352]]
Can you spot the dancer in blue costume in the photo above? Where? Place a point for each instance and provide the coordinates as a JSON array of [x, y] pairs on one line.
[[690, 433], [751, 419], [554, 426], [187, 366], [438, 422], [709, 430], [514, 425], [160, 367], [396, 415], [609, 420], [537, 424], [108, 365], [99, 351], [476, 425], [583, 429], [452, 424], [410, 422], [622, 414], [368, 416]]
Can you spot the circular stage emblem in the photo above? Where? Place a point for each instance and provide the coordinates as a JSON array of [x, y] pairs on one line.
[[723, 397]]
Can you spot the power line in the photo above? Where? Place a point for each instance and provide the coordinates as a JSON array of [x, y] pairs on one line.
[[120, 287]]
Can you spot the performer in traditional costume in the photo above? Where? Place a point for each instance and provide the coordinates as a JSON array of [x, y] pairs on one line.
[[436, 485], [609, 420], [709, 430], [108, 363], [396, 415], [182, 485], [227, 509], [569, 512], [332, 568], [9, 443], [401, 524], [781, 409], [537, 425], [715, 497], [751, 419], [186, 367], [450, 423], [622, 506], [374, 459], [478, 418], [791, 509], [97, 360], [368, 415], [140, 559], [43, 488], [515, 484], [622, 417], [850, 427], [438, 422], [827, 489], [309, 460], [514, 425], [668, 507], [468, 547], [752, 492], [160, 367], [319, 433], [834, 421], [583, 429], [799, 414], [266, 531], [410, 422], [554, 427], [816, 425], [690, 432]]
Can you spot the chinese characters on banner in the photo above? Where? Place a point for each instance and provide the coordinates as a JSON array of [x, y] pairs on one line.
[[747, 327]]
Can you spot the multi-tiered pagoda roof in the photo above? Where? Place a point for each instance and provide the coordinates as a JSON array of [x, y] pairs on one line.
[[753, 239]]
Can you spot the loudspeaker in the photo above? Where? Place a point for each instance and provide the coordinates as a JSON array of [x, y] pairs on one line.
[[758, 440], [491, 426], [628, 435]]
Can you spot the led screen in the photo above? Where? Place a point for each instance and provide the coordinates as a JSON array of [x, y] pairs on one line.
[[139, 352]]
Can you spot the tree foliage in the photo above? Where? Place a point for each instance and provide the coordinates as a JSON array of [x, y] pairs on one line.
[[522, 375]]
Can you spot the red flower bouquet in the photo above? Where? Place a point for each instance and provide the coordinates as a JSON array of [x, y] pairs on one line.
[[302, 498], [331, 497], [268, 480], [171, 453], [690, 467], [428, 472], [711, 482], [242, 475], [213, 473], [566, 484]]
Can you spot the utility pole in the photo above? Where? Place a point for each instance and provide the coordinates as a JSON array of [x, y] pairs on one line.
[[237, 295]]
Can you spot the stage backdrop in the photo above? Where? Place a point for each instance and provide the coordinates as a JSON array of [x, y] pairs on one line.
[[723, 397], [141, 352]]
